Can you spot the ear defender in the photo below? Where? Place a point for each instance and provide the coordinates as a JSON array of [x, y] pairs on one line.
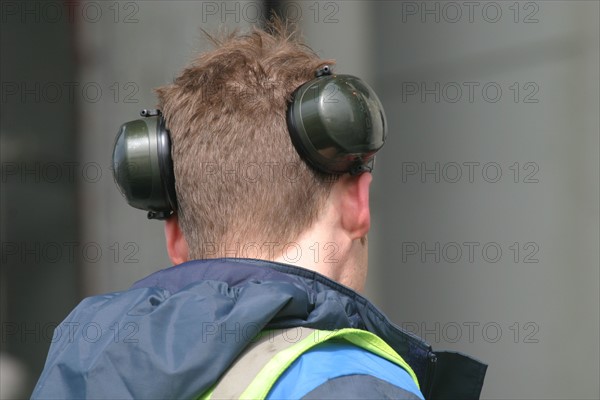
[[142, 165], [336, 123]]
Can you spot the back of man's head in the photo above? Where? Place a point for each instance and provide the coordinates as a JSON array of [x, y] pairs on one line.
[[242, 189]]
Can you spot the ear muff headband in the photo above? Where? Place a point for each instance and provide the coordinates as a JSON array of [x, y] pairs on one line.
[[336, 123]]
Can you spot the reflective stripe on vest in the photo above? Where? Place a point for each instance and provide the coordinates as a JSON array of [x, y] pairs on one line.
[[256, 370]]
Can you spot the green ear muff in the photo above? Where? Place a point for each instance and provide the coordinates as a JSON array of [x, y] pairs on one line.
[[142, 165], [337, 123]]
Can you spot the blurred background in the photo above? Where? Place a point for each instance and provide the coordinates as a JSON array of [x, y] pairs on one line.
[[485, 203]]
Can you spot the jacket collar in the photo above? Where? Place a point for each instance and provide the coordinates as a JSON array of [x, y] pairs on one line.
[[322, 303]]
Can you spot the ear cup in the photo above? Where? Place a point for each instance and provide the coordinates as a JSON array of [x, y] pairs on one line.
[[142, 165], [337, 124]]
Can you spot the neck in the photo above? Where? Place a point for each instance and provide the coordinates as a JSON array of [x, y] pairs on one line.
[[344, 261]]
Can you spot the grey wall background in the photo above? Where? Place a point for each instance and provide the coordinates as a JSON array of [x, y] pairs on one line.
[[531, 311], [38, 197], [521, 310]]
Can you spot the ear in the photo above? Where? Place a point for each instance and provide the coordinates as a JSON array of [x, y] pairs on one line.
[[177, 246], [354, 203]]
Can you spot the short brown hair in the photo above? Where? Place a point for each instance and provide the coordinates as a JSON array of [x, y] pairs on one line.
[[239, 180]]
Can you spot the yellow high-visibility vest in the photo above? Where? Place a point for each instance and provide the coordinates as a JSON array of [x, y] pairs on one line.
[[258, 368]]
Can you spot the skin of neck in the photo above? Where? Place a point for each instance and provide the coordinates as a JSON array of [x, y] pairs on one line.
[[327, 249], [335, 245]]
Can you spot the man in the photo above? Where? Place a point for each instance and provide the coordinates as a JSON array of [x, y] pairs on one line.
[[269, 254]]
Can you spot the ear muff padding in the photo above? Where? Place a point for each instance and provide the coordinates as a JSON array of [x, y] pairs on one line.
[[337, 123], [142, 166]]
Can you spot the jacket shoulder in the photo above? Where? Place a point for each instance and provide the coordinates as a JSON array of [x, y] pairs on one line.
[[355, 387]]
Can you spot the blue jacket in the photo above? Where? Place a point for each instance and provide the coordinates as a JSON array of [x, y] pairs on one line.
[[175, 332]]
